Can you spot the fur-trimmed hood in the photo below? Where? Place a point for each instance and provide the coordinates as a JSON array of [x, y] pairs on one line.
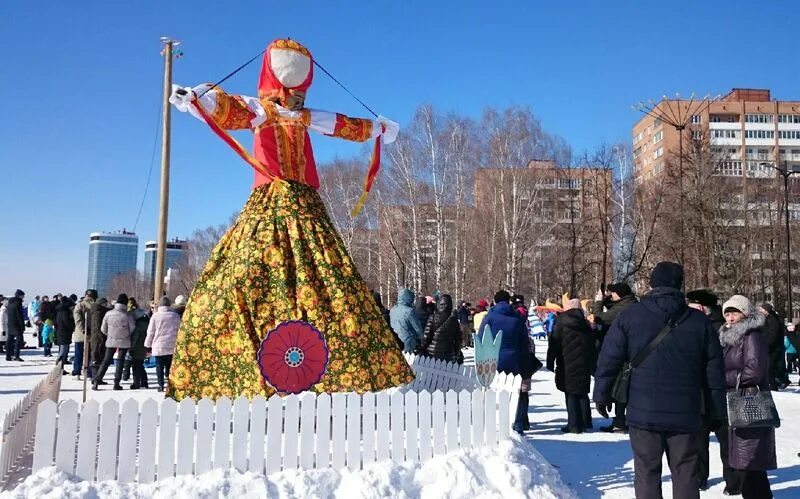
[[731, 335]]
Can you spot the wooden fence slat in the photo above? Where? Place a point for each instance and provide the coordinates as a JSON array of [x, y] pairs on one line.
[[382, 433], [45, 436], [241, 417], [438, 423], [186, 432], [274, 432], [258, 430], [323, 449], [477, 418], [87, 440], [338, 431], [397, 428], [205, 435], [291, 432], [503, 415], [490, 418], [147, 442], [109, 429], [451, 420], [464, 419], [424, 410], [67, 431], [412, 426], [166, 439], [353, 431], [222, 434], [368, 428], [307, 410], [129, 432]]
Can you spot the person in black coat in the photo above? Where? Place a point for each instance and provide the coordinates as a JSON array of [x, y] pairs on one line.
[[65, 326], [665, 394], [571, 354], [423, 309], [616, 298], [707, 302], [774, 333], [16, 326], [442, 336], [385, 313]]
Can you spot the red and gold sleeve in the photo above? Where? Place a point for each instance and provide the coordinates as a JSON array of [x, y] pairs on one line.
[[354, 129], [231, 112]]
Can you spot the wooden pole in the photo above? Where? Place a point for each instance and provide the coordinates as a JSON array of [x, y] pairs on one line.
[[163, 213]]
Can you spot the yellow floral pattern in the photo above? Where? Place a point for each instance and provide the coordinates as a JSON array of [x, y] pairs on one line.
[[282, 260]]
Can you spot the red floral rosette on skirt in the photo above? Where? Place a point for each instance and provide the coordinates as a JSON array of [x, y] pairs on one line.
[[293, 357]]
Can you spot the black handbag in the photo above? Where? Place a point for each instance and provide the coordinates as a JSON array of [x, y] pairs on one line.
[[751, 410], [619, 391]]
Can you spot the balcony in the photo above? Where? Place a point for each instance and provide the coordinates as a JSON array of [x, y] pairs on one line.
[[725, 126]]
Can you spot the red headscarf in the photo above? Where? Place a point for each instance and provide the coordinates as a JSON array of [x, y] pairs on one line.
[[270, 85]]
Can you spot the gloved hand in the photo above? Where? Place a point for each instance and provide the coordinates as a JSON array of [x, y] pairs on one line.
[[392, 128], [182, 97], [603, 409]]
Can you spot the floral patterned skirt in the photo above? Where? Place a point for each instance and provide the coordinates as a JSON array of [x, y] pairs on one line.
[[282, 260]]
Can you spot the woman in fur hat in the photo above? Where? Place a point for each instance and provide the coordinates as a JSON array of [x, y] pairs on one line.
[[751, 451]]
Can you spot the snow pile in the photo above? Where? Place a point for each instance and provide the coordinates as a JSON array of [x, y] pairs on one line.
[[514, 469]]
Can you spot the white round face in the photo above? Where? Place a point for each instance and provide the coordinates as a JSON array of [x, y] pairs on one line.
[[290, 67]]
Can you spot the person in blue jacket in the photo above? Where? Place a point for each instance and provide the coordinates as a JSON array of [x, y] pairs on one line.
[[791, 355], [404, 321], [515, 350]]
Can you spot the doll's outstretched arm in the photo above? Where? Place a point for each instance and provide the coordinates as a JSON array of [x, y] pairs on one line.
[[229, 112]]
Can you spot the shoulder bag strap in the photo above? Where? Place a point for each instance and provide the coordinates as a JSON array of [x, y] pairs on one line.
[[669, 326]]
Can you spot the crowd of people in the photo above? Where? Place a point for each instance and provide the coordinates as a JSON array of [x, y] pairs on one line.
[[681, 354], [96, 333]]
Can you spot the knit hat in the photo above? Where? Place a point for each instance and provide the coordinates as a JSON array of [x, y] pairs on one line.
[[163, 302], [768, 307], [573, 304], [122, 299], [92, 293], [73, 297], [702, 297], [621, 288], [180, 301], [667, 275], [501, 295], [430, 299], [738, 303], [19, 293]]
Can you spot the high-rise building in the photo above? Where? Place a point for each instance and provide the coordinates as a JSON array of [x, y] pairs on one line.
[[175, 249], [722, 201], [110, 254]]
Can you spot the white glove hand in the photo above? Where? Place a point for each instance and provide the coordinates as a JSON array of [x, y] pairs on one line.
[[182, 97], [391, 129]]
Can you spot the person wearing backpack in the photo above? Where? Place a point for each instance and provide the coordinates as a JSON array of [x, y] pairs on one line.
[[675, 359]]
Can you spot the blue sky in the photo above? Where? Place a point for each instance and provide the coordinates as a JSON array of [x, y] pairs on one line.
[[82, 87]]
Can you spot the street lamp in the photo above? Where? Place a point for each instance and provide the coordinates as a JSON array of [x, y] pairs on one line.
[[786, 173], [679, 119]]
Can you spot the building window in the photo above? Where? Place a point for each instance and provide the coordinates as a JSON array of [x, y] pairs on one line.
[[658, 137], [759, 134], [658, 153], [697, 134], [789, 134], [727, 134], [789, 118], [697, 119], [758, 118], [659, 167], [729, 168], [657, 123], [637, 152]]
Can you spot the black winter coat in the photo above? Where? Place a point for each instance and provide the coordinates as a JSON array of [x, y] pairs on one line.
[[47, 311], [442, 337], [16, 317], [65, 322], [604, 319], [746, 363], [665, 392], [97, 340], [571, 352], [774, 332]]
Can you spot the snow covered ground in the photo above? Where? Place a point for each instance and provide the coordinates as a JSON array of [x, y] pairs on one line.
[[593, 464], [599, 464]]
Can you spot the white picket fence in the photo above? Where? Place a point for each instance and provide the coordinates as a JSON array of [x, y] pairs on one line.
[[264, 436], [19, 424], [432, 374]]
